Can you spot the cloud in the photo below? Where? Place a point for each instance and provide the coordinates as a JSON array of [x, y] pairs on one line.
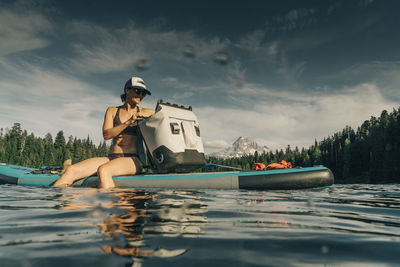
[[22, 31], [273, 48], [195, 87], [183, 95], [298, 14], [101, 50], [112, 49], [48, 101], [385, 74], [253, 41], [295, 120], [230, 101], [259, 45], [293, 20], [215, 145]]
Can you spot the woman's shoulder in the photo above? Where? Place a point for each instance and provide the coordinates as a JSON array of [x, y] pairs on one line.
[[112, 110]]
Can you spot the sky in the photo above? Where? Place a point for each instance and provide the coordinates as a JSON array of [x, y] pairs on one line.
[[277, 72]]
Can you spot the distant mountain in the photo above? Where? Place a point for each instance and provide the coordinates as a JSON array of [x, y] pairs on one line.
[[242, 146]]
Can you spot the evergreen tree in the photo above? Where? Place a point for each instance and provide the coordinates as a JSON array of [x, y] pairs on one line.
[[370, 154], [20, 148]]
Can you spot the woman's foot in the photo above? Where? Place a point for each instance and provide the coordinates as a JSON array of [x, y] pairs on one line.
[[61, 185], [63, 181], [107, 184]]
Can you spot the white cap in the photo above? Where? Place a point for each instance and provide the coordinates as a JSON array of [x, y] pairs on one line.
[[136, 82]]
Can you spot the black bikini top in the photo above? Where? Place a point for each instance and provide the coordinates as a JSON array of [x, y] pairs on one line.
[[132, 130]]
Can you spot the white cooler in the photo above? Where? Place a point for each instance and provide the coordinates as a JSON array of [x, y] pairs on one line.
[[172, 136]]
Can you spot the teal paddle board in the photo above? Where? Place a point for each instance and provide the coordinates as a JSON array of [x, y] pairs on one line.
[[295, 178]]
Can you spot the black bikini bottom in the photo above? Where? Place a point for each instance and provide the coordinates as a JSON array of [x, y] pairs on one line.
[[121, 155]]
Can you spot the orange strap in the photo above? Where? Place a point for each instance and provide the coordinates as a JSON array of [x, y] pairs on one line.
[[281, 165], [259, 166]]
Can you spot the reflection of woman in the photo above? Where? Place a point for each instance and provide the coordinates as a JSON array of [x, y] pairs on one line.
[[124, 230], [130, 226], [120, 124], [129, 223]]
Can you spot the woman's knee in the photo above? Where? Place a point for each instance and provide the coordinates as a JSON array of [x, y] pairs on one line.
[[102, 170], [72, 170]]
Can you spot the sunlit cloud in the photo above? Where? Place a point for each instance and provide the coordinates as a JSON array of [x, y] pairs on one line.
[[50, 101], [215, 145], [296, 121], [386, 74]]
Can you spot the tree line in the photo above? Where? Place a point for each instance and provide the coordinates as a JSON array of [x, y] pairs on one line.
[[20, 148], [370, 154]]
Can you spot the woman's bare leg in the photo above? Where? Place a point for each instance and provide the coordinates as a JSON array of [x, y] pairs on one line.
[[116, 167], [80, 170]]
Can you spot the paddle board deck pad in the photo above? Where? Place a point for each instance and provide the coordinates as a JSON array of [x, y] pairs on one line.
[[296, 178]]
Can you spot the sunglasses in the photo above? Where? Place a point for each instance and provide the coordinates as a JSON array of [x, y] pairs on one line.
[[139, 91]]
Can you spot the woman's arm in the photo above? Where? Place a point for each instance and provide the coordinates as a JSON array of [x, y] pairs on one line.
[[109, 131], [146, 112]]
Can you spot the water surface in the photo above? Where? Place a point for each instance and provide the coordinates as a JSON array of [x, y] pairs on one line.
[[344, 225]]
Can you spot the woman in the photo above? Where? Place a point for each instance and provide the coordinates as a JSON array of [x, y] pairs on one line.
[[120, 124]]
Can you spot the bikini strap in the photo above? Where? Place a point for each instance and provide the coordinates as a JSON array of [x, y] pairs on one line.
[[117, 121]]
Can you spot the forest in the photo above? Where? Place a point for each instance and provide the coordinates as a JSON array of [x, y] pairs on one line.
[[20, 148], [369, 154]]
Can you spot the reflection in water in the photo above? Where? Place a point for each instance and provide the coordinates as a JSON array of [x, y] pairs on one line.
[[176, 214], [128, 218], [305, 210], [91, 227]]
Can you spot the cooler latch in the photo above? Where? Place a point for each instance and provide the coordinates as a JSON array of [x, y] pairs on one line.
[[175, 129]]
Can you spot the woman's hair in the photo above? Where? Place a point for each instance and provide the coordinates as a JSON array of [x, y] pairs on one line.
[[123, 97]]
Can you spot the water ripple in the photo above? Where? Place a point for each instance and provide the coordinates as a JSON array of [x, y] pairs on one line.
[[341, 225]]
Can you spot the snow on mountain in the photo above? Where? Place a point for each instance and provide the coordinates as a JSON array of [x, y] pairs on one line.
[[242, 146]]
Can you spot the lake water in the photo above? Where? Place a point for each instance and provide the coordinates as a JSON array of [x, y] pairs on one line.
[[344, 225]]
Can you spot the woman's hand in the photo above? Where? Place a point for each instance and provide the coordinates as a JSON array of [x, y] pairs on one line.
[[133, 119], [110, 131]]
